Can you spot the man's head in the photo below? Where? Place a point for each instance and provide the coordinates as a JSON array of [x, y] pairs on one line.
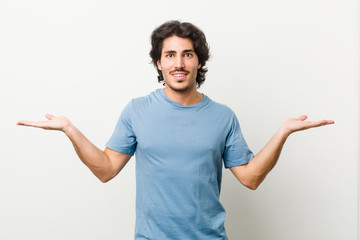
[[182, 30]]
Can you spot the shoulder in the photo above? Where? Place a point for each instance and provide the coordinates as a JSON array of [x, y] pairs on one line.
[[151, 98], [144, 104], [221, 108]]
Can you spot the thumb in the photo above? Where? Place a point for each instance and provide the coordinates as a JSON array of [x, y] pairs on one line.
[[303, 117], [49, 116]]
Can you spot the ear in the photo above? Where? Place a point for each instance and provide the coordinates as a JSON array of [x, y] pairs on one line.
[[199, 66], [158, 65]]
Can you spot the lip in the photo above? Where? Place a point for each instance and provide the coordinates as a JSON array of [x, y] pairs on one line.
[[179, 75]]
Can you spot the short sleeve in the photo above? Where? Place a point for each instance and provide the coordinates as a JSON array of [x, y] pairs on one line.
[[236, 151], [123, 138]]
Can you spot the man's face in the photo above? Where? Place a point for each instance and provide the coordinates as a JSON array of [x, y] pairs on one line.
[[179, 64]]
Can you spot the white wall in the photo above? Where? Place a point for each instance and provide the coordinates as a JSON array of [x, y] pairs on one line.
[[270, 60]]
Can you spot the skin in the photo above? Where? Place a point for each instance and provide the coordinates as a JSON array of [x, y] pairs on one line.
[[179, 64], [179, 58]]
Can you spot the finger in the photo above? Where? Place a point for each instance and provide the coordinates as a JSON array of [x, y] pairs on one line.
[[43, 124], [20, 123], [326, 122], [303, 117], [24, 123], [319, 123]]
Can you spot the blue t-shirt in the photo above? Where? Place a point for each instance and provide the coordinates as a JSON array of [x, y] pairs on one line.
[[179, 151]]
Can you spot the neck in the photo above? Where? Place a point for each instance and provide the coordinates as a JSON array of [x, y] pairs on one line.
[[186, 98]]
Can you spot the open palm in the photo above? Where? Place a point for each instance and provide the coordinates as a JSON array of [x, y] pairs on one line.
[[298, 124], [53, 123]]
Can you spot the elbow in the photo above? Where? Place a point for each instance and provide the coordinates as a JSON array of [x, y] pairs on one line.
[[253, 184], [104, 175], [248, 178], [104, 178]]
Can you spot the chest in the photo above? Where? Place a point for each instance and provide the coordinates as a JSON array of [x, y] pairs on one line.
[[180, 132], [180, 143]]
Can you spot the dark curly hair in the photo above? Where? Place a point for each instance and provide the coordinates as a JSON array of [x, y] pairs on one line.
[[183, 30]]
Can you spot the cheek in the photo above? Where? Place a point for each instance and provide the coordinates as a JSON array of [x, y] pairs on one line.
[[196, 66], [165, 65]]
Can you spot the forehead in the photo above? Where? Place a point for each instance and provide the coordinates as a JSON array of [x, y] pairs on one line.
[[178, 44]]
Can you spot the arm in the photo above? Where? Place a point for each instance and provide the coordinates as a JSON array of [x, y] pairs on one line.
[[252, 174], [104, 164]]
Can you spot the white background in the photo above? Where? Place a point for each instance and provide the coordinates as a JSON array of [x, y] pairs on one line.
[[271, 60]]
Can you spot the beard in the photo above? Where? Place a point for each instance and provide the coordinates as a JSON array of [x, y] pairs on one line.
[[181, 86], [181, 89]]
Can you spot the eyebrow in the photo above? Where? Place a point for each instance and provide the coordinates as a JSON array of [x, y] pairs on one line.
[[185, 51], [188, 50]]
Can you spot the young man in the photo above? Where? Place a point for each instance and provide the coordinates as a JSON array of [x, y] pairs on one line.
[[181, 139]]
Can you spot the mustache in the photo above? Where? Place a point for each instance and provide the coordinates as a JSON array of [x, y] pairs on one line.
[[181, 69]]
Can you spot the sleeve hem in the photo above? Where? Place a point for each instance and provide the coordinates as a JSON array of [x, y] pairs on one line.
[[238, 162], [120, 149]]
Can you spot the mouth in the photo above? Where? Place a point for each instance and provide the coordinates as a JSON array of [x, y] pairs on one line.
[[179, 75]]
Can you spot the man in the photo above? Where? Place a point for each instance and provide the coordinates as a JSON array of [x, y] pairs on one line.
[[181, 138]]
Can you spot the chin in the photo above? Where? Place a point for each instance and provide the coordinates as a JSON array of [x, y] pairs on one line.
[[180, 87]]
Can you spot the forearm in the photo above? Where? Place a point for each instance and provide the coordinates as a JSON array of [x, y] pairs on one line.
[[266, 159], [94, 158], [252, 174]]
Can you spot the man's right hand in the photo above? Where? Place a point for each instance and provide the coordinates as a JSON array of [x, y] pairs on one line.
[[104, 164]]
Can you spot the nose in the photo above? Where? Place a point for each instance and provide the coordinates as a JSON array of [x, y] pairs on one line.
[[179, 62]]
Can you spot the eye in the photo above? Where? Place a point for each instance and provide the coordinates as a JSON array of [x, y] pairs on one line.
[[188, 55], [169, 55]]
